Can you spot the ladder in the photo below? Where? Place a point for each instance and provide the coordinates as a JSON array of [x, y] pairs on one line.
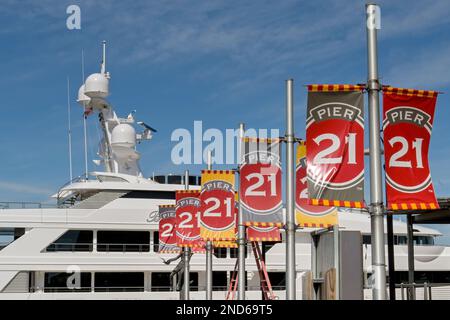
[[266, 287]]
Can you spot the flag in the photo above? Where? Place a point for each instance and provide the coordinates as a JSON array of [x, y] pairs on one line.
[[335, 145], [167, 226], [260, 179], [407, 124], [218, 215]]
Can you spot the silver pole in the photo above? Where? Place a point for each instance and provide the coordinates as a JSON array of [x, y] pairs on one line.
[[242, 243], [290, 214], [376, 194], [209, 252], [186, 250], [70, 128], [410, 238]]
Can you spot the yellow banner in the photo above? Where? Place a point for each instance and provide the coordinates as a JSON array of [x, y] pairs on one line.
[[218, 214], [306, 215]]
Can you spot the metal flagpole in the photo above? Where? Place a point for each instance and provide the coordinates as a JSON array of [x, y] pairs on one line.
[[70, 128], [290, 209], [376, 194], [242, 243], [391, 261], [209, 253], [186, 250], [410, 237]]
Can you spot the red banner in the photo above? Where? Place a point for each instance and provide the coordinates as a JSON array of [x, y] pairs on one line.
[[188, 219], [218, 214], [407, 123], [260, 182], [263, 234], [167, 227], [335, 145]]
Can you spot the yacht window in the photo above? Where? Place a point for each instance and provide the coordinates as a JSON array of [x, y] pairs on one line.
[[402, 240], [230, 275], [166, 195], [123, 241], [160, 179], [119, 281], [73, 240], [193, 278], [234, 252], [161, 281], [220, 281], [277, 280], [367, 239], [174, 179], [193, 180], [156, 241], [220, 253], [423, 240], [60, 282]]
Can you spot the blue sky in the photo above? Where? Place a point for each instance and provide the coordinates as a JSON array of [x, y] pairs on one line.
[[222, 62]]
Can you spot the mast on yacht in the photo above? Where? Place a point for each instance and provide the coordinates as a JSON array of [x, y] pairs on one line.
[[117, 148]]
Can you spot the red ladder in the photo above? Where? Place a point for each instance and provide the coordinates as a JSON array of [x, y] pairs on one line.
[[266, 287]]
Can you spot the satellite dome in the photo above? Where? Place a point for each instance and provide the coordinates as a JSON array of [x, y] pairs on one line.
[[82, 98], [97, 86], [123, 135]]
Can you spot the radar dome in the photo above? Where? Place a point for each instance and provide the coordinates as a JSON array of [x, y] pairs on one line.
[[97, 86], [123, 135], [82, 98]]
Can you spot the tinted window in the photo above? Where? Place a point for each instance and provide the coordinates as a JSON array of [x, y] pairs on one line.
[[161, 281], [119, 281], [123, 241], [57, 282], [73, 240]]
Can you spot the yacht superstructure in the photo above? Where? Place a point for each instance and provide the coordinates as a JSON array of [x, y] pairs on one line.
[[100, 241]]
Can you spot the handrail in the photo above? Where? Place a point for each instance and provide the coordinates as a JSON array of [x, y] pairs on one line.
[[138, 288], [101, 247], [25, 205], [427, 289]]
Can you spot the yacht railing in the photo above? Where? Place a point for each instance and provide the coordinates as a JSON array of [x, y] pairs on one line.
[[141, 289], [427, 287], [101, 247], [26, 205]]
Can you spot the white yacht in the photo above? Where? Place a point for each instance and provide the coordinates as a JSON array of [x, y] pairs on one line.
[[100, 239]]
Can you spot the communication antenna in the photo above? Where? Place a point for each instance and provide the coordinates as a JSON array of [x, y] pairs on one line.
[[70, 128], [103, 67], [84, 120]]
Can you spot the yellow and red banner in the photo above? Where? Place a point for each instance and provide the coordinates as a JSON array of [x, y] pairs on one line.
[[218, 214], [335, 145], [407, 124], [188, 219], [260, 182], [307, 215], [167, 227]]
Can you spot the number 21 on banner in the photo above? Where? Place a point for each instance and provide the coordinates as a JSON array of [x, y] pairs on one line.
[[416, 145], [216, 203], [167, 230], [322, 156], [186, 219]]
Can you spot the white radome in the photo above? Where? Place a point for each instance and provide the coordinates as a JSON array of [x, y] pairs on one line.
[[123, 135], [82, 98], [97, 86]]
